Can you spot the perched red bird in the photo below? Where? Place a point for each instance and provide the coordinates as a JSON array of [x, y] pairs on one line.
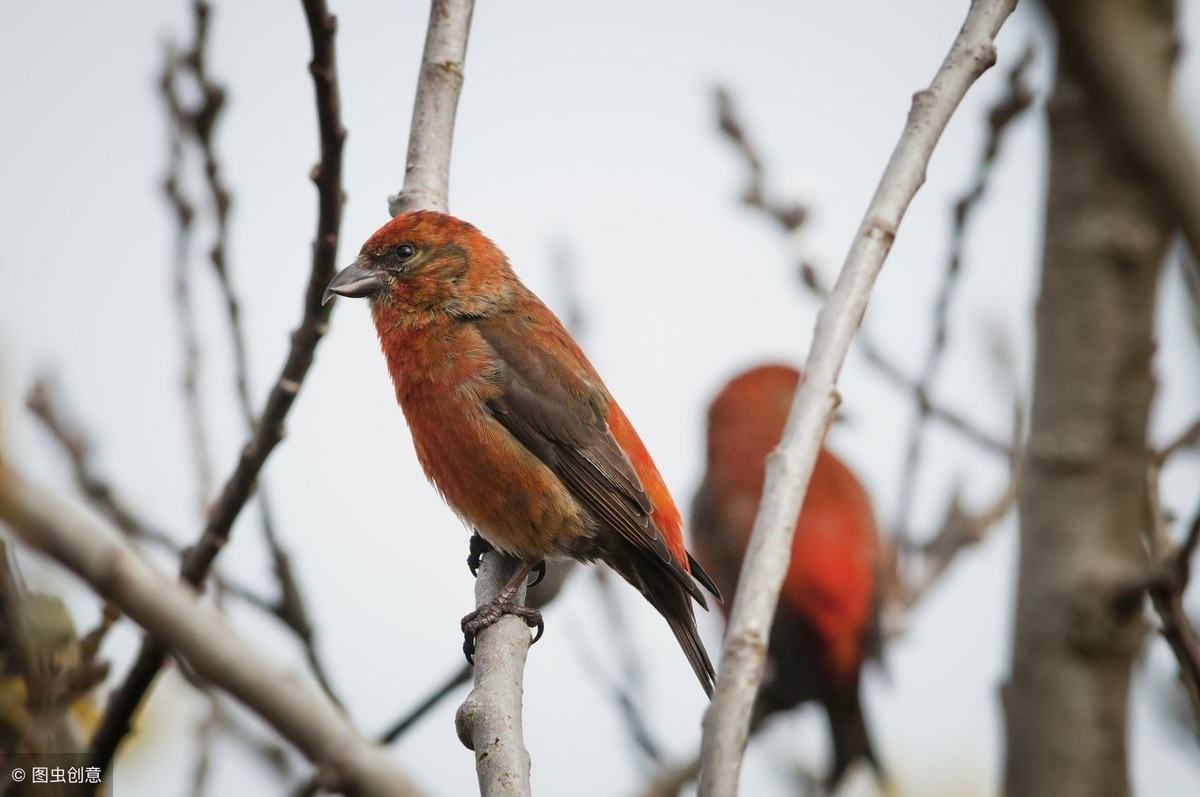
[[513, 425], [826, 623]]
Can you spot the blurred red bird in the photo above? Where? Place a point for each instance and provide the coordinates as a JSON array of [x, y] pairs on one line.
[[826, 623], [513, 425]]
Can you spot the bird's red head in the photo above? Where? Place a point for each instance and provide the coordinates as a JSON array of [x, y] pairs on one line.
[[431, 262], [746, 420]]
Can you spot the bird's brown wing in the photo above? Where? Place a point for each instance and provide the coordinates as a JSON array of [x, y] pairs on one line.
[[560, 416]]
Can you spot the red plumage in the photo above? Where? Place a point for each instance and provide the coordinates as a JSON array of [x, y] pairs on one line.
[[511, 422], [826, 622]]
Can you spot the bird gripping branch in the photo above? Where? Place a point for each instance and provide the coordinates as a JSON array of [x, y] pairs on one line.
[[513, 425]]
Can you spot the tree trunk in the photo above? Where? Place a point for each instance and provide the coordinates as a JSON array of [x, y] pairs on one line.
[[1082, 498]]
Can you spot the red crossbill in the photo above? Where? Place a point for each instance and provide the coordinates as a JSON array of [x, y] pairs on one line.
[[513, 425], [826, 622]]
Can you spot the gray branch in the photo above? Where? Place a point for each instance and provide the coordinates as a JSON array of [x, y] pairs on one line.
[[489, 720], [173, 613], [789, 467], [427, 169]]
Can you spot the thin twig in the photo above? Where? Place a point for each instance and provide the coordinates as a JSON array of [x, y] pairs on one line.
[[174, 613], [790, 217], [1189, 264], [1188, 438], [202, 122], [629, 690], [960, 529], [269, 431], [206, 735], [46, 406], [1168, 579], [402, 725], [184, 213], [1006, 110], [789, 468]]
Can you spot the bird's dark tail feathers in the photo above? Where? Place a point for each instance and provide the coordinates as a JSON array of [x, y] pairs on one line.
[[672, 601], [851, 740]]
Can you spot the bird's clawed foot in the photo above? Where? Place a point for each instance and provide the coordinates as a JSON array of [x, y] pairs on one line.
[[481, 618], [479, 546], [504, 603]]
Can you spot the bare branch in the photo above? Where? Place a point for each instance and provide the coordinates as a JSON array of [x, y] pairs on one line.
[[489, 720], [401, 726], [206, 736], [184, 214], [961, 529], [45, 406], [628, 690], [1168, 580], [1188, 438], [427, 170], [790, 218], [105, 498], [174, 614], [269, 431], [726, 725], [200, 123], [790, 215], [1000, 118]]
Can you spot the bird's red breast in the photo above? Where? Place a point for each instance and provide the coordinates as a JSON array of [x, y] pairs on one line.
[[831, 579]]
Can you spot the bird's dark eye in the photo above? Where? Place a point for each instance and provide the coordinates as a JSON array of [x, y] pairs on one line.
[[405, 251]]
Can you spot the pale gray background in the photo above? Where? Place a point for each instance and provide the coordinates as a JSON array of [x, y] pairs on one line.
[[589, 124]]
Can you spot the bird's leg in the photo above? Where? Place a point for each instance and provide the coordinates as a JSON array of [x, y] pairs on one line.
[[499, 606], [479, 546]]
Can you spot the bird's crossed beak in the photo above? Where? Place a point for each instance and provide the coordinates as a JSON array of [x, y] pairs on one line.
[[354, 281]]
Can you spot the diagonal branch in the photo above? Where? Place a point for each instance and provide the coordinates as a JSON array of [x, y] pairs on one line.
[[103, 496], [269, 432], [1007, 110], [1169, 576], [788, 469], [790, 218], [174, 613], [184, 213], [1188, 438]]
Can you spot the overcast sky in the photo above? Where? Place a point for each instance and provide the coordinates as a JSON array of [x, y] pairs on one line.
[[586, 128]]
